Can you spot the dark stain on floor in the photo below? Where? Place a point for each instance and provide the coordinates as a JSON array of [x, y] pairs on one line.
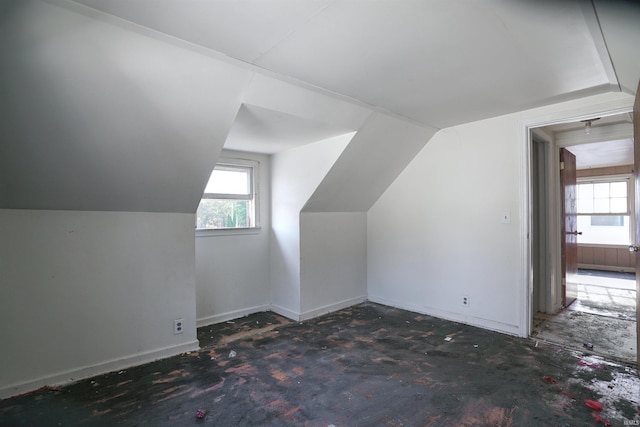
[[368, 365]]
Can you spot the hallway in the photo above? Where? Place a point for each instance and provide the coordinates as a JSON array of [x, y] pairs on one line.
[[604, 315]]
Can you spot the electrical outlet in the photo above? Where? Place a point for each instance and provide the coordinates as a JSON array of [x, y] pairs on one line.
[[466, 301], [178, 326]]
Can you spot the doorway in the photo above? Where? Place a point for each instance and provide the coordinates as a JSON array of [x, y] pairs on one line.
[[603, 317]]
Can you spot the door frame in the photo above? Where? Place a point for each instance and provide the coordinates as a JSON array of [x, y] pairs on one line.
[[583, 110]]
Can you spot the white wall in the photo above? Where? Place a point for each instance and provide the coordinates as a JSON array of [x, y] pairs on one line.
[[295, 174], [436, 236], [334, 261], [90, 292], [232, 270]]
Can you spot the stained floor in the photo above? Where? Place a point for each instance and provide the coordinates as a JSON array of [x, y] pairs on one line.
[[368, 365], [604, 315]]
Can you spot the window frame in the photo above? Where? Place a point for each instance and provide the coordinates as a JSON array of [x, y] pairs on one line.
[[629, 178], [228, 163]]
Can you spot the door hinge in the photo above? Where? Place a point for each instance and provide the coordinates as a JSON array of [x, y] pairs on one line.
[[561, 166]]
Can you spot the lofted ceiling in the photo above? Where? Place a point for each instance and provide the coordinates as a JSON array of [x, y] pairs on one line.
[[126, 105], [437, 62]]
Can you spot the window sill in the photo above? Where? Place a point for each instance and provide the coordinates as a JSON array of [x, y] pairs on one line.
[[227, 232]]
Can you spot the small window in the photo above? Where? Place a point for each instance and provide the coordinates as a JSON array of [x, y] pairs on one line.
[[604, 211], [229, 199]]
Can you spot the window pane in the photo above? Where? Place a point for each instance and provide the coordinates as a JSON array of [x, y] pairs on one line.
[[585, 198], [229, 181], [619, 189], [585, 191], [601, 190], [619, 205], [607, 220], [604, 230], [585, 205], [601, 205], [223, 213]]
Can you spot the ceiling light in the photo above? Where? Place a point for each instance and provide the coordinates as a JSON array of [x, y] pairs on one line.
[[587, 125]]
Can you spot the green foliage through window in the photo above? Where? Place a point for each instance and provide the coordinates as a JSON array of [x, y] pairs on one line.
[[221, 213], [229, 200]]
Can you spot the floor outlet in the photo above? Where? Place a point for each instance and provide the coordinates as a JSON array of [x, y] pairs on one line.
[[178, 326]]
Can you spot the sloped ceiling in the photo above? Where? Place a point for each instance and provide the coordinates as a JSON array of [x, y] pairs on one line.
[[262, 130], [125, 105], [95, 118], [438, 62]]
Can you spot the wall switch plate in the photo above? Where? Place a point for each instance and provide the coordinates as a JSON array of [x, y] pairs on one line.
[[505, 217], [178, 326]]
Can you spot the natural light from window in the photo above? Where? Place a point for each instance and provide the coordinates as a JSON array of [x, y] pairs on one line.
[[229, 199], [604, 212]]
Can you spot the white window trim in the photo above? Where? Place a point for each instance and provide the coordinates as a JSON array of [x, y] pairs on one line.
[[611, 178], [629, 177], [255, 189]]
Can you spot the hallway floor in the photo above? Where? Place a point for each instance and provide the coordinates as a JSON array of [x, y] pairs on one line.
[[604, 315], [368, 365]]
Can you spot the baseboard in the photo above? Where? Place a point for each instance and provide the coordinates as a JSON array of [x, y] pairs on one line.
[[607, 268], [479, 322], [72, 375], [230, 315], [289, 314], [309, 314]]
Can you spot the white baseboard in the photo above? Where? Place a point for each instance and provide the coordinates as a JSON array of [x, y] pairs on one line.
[[491, 325], [309, 314], [72, 375], [319, 311], [289, 314], [230, 315]]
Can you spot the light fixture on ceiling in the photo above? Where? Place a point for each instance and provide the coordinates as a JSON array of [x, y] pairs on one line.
[[587, 125]]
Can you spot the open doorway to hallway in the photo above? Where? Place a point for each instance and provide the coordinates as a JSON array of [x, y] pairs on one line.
[[603, 318]]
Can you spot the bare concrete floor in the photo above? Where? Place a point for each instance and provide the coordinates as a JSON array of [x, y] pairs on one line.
[[604, 315], [368, 365]]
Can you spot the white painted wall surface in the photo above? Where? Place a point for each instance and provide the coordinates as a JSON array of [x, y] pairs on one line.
[[333, 262], [91, 292], [295, 174], [436, 235], [232, 271]]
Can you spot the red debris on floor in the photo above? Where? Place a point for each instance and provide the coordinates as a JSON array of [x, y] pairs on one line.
[[600, 420], [592, 404]]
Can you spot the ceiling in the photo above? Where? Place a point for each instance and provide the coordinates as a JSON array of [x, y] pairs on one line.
[[435, 62], [121, 105], [599, 154], [609, 143], [262, 130]]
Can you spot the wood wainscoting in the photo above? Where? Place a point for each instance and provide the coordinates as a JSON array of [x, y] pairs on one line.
[[610, 258]]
